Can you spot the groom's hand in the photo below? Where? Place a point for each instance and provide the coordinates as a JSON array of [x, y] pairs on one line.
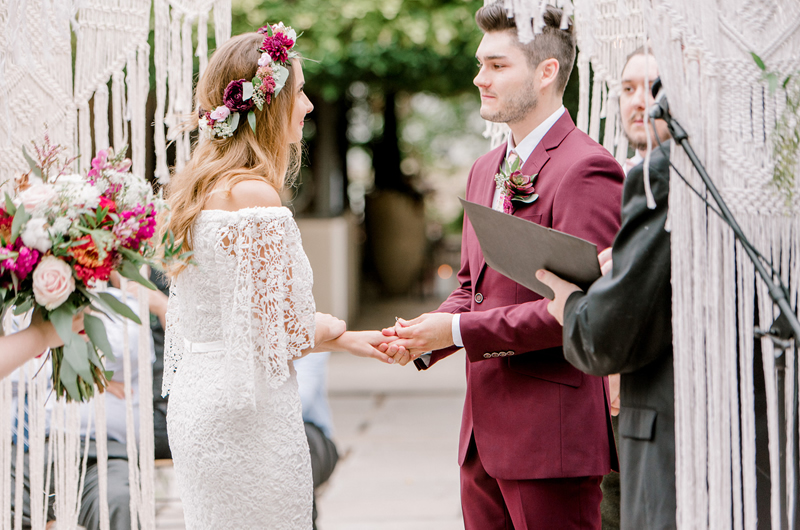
[[431, 331]]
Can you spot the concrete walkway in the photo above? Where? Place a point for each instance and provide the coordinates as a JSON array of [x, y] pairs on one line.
[[397, 434]]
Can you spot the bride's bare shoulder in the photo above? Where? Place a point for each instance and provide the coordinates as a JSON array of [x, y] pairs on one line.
[[244, 194]]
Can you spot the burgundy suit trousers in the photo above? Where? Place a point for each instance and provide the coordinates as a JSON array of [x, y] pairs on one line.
[[539, 504]]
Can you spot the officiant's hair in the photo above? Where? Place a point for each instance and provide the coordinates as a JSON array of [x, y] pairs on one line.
[[552, 43], [264, 154]]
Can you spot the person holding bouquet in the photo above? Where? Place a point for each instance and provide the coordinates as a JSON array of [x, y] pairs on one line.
[[243, 309]]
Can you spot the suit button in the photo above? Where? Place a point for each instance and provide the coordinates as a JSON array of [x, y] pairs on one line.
[[495, 354], [510, 352], [478, 298], [503, 353], [487, 355]]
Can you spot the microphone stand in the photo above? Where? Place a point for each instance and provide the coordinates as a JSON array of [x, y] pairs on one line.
[[785, 328]]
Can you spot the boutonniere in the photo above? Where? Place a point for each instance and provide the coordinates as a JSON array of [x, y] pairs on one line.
[[514, 186]]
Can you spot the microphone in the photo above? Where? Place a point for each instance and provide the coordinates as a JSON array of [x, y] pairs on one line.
[[660, 109]]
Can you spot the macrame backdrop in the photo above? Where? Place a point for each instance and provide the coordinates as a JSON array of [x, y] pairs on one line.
[[174, 60], [716, 92], [104, 105]]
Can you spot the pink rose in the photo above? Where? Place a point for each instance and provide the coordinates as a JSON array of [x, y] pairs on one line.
[[38, 195], [220, 113], [52, 282], [264, 60]]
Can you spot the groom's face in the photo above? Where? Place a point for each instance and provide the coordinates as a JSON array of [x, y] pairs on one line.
[[505, 79]]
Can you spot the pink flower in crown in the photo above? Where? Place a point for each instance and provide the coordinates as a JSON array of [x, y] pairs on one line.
[[220, 113]]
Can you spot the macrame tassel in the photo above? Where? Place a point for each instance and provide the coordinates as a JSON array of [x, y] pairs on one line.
[[5, 450], [37, 424], [202, 42], [583, 91], [222, 21], [101, 443], [118, 110], [130, 426], [20, 447], [84, 137], [101, 117], [160, 55], [594, 121], [146, 434]]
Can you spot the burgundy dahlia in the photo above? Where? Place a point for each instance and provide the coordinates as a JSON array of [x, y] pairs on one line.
[[233, 97], [277, 47]]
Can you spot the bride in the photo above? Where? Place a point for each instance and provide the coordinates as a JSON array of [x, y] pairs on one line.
[[243, 310]]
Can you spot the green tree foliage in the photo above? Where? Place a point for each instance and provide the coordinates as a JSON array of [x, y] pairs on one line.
[[393, 45]]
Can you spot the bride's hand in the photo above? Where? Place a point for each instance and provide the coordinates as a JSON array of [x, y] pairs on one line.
[[360, 344], [328, 328]]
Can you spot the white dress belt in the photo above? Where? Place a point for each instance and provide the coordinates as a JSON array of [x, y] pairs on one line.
[[203, 347]]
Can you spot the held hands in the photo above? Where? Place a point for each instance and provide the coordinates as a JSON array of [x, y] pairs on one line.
[[562, 288], [360, 344], [427, 332]]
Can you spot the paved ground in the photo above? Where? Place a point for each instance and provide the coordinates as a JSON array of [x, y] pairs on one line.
[[397, 433]]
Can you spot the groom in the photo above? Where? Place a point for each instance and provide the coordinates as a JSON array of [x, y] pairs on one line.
[[535, 435]]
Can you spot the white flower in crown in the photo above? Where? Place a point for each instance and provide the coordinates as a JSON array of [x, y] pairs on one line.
[[206, 132], [289, 32]]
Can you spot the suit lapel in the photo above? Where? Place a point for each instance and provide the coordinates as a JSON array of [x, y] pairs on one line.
[[485, 197], [532, 166]]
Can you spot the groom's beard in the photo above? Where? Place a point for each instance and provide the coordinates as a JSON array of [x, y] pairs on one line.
[[517, 108]]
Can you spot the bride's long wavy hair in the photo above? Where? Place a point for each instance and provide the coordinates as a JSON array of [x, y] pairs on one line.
[[266, 154]]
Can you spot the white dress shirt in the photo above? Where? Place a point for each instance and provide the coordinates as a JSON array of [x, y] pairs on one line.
[[524, 150]]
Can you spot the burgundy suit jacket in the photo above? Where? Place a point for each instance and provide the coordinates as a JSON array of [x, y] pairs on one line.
[[533, 415]]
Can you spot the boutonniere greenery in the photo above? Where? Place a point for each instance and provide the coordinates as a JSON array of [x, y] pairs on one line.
[[514, 186]]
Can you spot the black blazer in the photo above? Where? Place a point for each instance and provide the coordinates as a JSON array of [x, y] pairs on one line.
[[623, 324]]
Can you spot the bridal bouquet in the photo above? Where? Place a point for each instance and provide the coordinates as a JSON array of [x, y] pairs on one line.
[[61, 236]]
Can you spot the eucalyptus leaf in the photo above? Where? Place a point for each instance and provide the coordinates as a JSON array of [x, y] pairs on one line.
[[247, 90], [96, 330], [20, 218], [118, 307], [33, 165], [61, 317], [93, 357], [251, 119], [281, 74], [234, 121], [23, 307], [75, 355], [131, 271], [11, 209], [69, 378]]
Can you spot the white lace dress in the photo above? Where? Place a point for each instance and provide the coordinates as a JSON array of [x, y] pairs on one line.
[[234, 322]]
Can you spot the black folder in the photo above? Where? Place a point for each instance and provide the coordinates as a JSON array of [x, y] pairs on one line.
[[517, 248]]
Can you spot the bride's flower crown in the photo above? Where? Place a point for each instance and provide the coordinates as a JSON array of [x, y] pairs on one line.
[[242, 96]]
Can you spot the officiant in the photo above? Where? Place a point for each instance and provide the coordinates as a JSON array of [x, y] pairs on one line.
[[635, 296]]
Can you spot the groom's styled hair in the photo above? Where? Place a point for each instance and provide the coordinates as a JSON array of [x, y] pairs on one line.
[[552, 43]]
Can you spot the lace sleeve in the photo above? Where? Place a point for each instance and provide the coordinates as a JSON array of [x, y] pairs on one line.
[[273, 313], [173, 339]]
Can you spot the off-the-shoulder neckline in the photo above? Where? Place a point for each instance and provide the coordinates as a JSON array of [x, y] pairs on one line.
[[248, 210]]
